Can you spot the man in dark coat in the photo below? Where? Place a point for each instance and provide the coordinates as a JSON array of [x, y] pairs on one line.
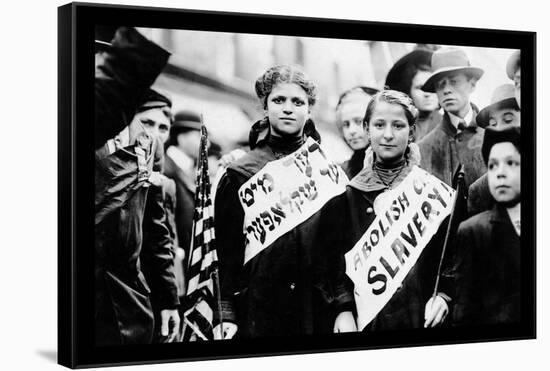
[[503, 112], [181, 158], [457, 139], [487, 267], [126, 157]]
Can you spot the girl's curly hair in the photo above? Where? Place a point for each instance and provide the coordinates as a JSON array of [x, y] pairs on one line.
[[284, 74]]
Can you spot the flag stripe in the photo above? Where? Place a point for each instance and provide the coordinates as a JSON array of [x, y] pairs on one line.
[[200, 301]]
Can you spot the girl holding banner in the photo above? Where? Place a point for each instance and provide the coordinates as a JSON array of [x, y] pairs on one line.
[[274, 279], [387, 225]]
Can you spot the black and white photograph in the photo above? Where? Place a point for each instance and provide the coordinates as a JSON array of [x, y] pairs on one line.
[[278, 184]]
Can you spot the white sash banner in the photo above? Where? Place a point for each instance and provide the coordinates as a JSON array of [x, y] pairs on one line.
[[285, 193], [406, 219]]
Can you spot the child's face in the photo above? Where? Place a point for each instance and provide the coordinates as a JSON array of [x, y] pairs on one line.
[[504, 173]]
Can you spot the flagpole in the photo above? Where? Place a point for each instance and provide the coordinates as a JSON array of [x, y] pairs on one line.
[[459, 178]]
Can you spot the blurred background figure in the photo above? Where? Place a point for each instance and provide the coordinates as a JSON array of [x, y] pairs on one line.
[[350, 111], [502, 113], [408, 75], [182, 150], [513, 70]]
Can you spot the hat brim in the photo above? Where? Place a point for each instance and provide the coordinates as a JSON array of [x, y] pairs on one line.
[[429, 85], [101, 46], [482, 118], [396, 74]]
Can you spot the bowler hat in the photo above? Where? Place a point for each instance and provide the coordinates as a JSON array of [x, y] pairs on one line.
[[492, 137], [448, 60], [503, 97], [513, 64], [401, 74], [186, 119]]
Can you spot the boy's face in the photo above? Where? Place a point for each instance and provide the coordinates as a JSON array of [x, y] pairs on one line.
[[453, 92], [504, 173], [503, 118]]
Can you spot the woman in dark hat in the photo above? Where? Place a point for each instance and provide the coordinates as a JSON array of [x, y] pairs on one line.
[[279, 291], [408, 75], [487, 271]]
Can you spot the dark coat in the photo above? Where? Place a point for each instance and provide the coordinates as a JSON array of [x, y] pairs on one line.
[[443, 149], [123, 313], [354, 165], [185, 202], [426, 123], [282, 290], [350, 215], [487, 270], [479, 196]]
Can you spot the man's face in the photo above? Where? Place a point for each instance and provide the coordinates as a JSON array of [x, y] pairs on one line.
[[156, 123], [504, 173], [350, 117], [517, 85], [453, 92], [504, 118], [189, 143]]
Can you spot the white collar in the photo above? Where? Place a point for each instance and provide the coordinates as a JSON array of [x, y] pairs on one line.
[[455, 120]]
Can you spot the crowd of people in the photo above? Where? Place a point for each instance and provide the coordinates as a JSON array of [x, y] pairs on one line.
[[297, 281]]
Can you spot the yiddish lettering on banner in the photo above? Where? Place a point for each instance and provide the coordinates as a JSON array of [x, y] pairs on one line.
[[285, 193]]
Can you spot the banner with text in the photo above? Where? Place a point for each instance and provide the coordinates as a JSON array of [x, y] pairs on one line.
[[406, 219], [285, 193]]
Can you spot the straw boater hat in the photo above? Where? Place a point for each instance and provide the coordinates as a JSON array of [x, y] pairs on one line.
[[513, 64], [447, 60], [503, 97]]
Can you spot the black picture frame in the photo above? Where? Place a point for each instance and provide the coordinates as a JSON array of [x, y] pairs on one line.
[[76, 22]]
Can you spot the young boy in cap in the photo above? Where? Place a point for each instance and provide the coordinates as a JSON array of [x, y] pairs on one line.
[[487, 265], [350, 112], [457, 139], [502, 113]]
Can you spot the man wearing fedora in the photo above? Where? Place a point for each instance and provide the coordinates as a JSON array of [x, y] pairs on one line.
[[182, 151], [457, 139], [502, 113]]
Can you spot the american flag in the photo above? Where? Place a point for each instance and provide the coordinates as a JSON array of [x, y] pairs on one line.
[[203, 285]]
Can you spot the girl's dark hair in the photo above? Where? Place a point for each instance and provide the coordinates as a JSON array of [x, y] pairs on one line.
[[393, 97], [284, 74]]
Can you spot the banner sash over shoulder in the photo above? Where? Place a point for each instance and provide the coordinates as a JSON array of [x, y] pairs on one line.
[[285, 193], [409, 217]]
